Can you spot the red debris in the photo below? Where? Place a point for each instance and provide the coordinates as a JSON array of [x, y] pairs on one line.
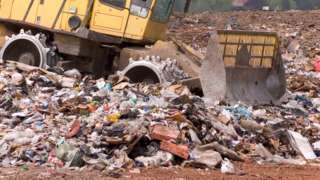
[[164, 133], [74, 129], [106, 108], [92, 108], [317, 64], [54, 160], [178, 150]]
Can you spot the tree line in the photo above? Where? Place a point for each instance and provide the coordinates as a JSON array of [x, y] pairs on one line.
[[223, 5]]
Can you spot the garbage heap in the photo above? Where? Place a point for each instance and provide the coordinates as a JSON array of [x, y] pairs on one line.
[[111, 125]]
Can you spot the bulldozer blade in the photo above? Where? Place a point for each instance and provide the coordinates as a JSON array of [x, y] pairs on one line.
[[243, 66]]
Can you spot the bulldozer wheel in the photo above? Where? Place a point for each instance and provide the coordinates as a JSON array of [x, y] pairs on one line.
[[143, 74], [26, 48], [22, 51]]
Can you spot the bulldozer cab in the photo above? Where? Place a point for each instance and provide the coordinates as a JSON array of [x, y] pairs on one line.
[[132, 19], [243, 66]]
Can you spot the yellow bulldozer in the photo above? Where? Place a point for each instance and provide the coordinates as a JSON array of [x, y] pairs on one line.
[[90, 34]]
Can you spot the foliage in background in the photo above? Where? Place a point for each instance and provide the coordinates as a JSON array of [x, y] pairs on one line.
[[223, 5], [212, 4], [282, 4]]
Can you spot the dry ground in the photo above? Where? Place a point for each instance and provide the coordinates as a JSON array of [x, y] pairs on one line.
[[246, 171]]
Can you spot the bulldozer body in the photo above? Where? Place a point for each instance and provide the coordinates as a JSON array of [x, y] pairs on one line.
[[111, 21]]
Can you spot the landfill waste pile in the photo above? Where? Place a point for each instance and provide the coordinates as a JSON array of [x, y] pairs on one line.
[[111, 125], [69, 121]]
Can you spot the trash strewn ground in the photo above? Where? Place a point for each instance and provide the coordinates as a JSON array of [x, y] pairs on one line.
[[109, 125]]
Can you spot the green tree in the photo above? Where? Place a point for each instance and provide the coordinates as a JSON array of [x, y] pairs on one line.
[[282, 4], [223, 5], [308, 4]]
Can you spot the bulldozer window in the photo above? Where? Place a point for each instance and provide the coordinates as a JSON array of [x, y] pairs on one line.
[[162, 10], [140, 7], [117, 3]]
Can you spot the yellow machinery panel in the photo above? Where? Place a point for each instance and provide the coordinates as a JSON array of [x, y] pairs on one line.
[[133, 19], [48, 12], [135, 27], [108, 19], [55, 14], [139, 16], [30, 15], [117, 22], [19, 9], [5, 8], [72, 8]]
